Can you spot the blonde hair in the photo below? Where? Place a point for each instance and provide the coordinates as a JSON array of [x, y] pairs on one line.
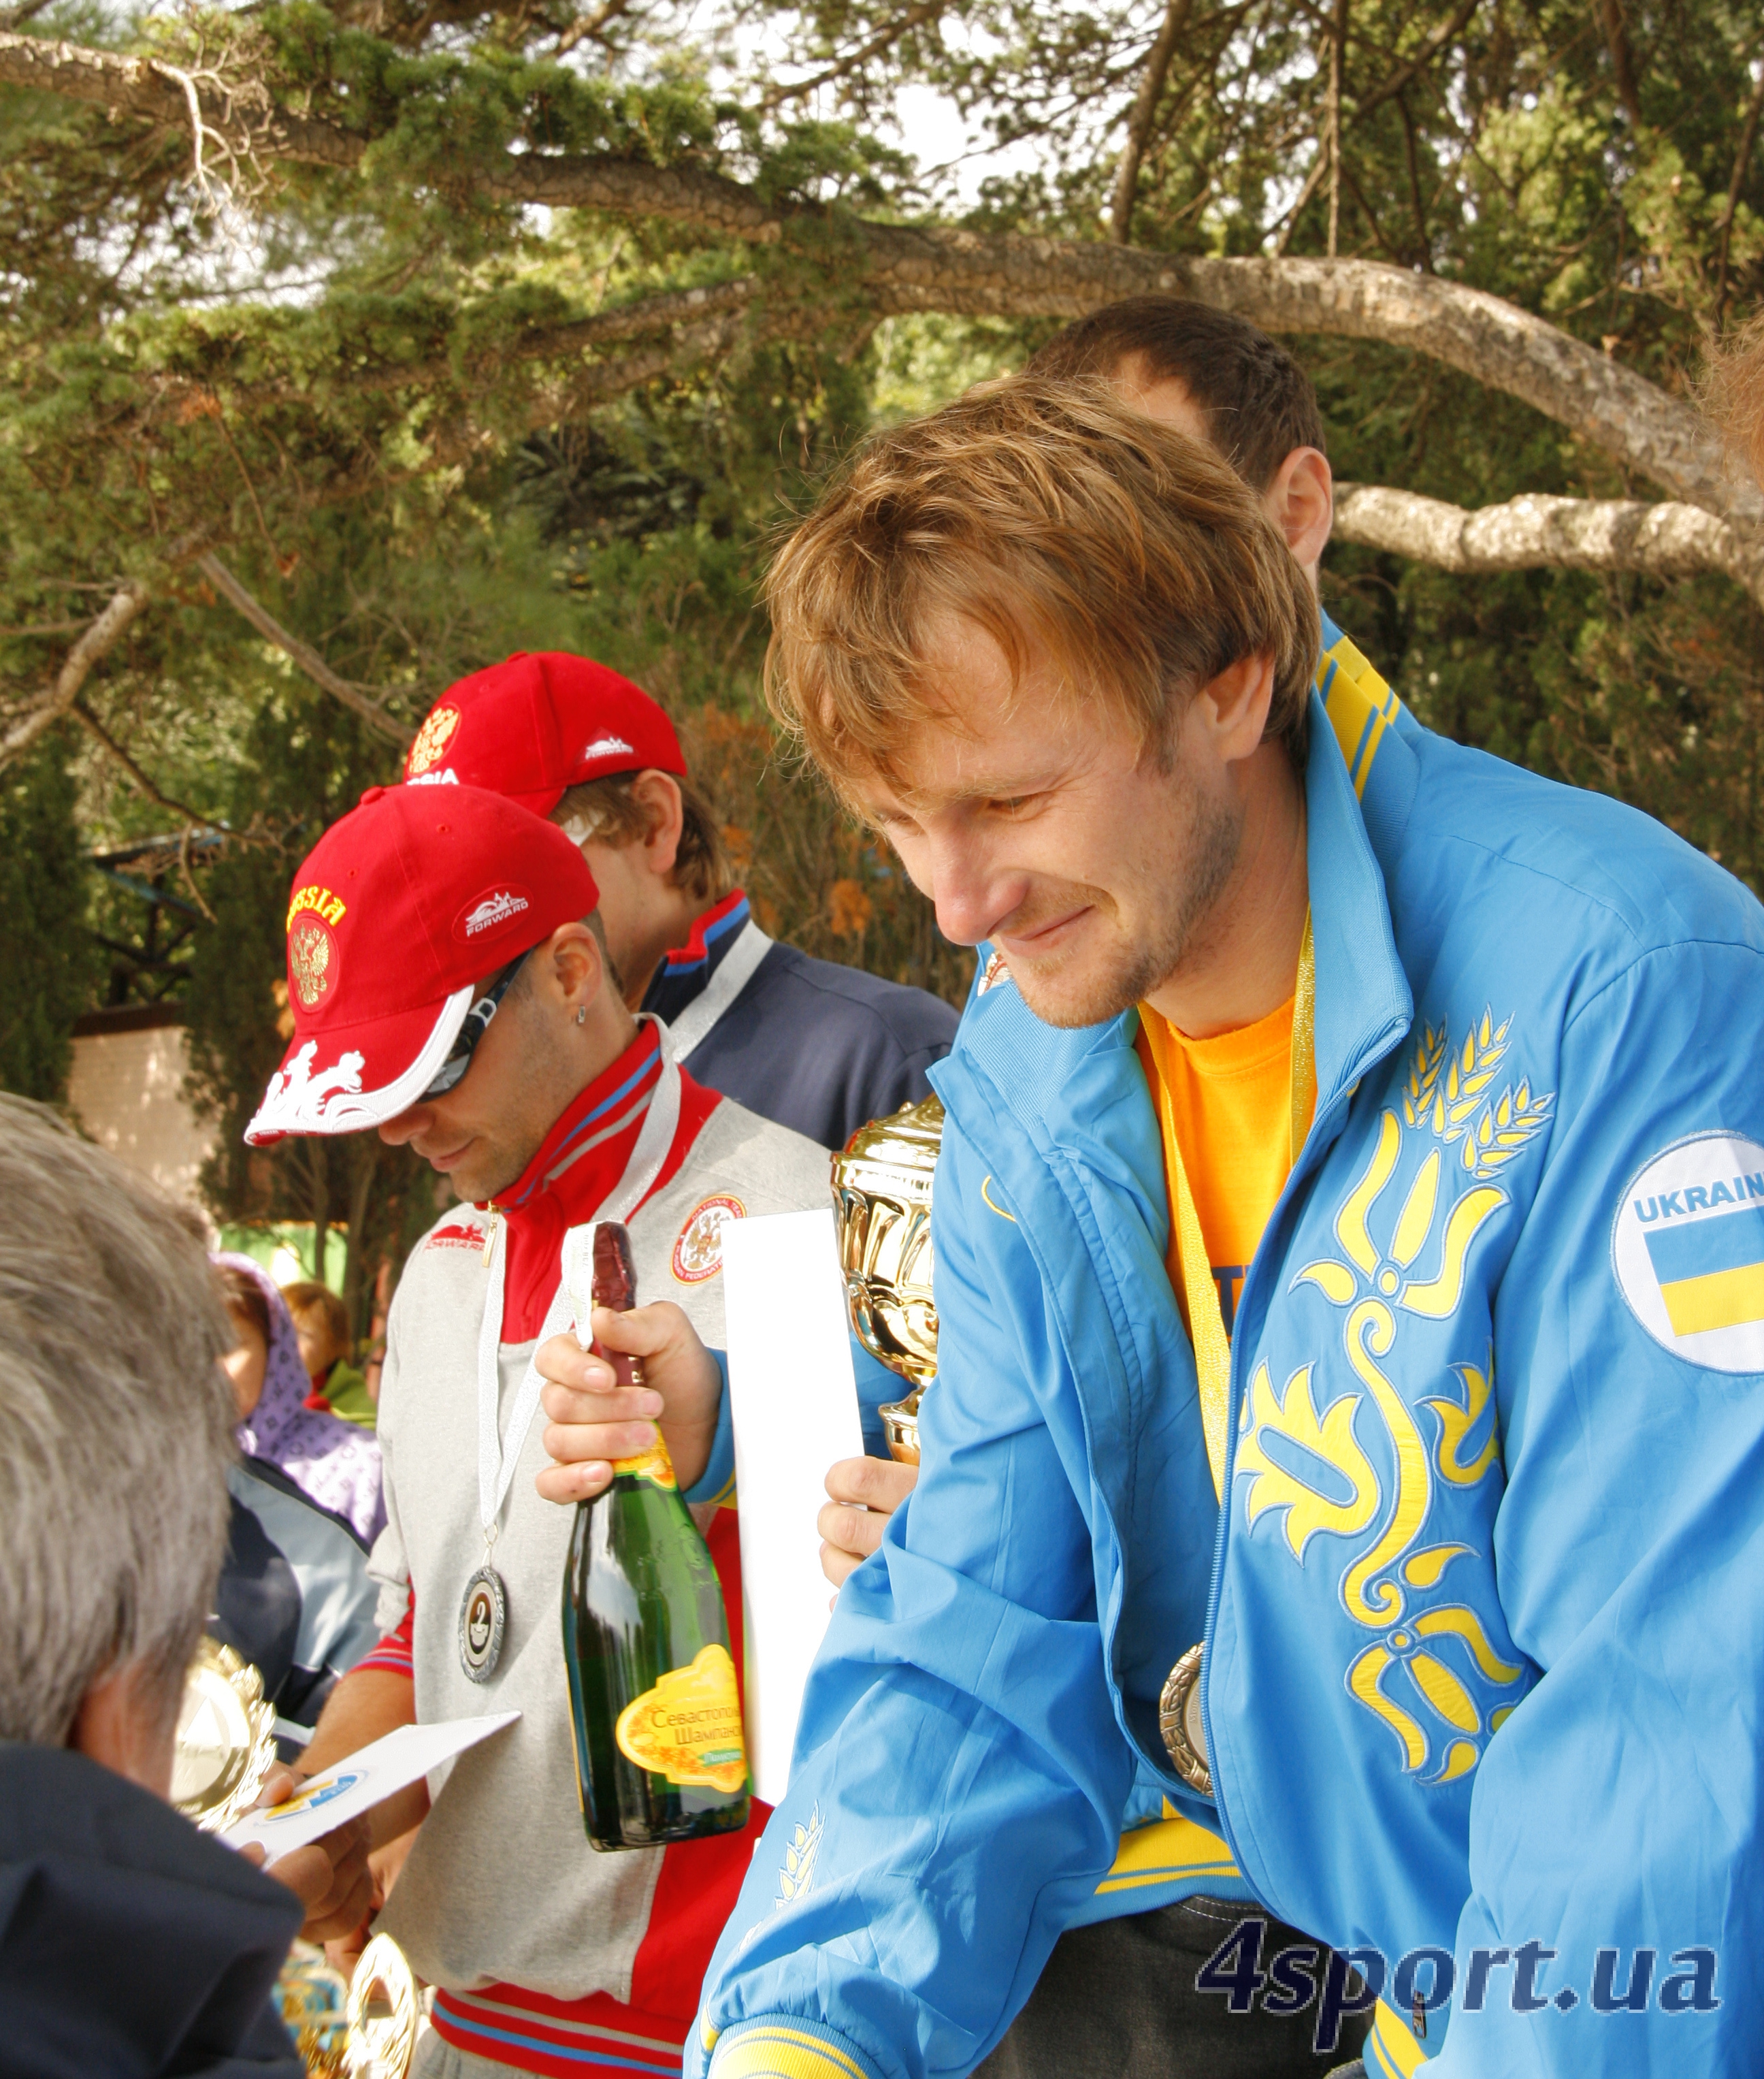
[[1059, 521], [306, 1297]]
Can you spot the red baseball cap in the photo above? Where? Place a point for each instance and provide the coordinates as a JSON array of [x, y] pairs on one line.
[[538, 724], [400, 908]]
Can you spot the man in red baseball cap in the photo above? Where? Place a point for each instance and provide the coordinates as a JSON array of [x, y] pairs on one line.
[[450, 989], [815, 1046]]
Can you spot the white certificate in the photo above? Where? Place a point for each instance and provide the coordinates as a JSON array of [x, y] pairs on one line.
[[794, 1402], [359, 1782]]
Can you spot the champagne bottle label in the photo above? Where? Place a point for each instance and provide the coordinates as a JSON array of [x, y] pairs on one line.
[[653, 1465], [688, 1728]]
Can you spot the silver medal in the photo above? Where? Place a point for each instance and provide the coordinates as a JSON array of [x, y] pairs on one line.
[[484, 1617]]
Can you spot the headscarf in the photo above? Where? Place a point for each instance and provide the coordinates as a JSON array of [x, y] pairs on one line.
[[329, 1459]]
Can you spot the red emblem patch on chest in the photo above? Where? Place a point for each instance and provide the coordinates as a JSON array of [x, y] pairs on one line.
[[465, 1236], [698, 1249]]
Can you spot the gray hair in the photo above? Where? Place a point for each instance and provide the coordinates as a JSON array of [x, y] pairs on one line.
[[116, 1426]]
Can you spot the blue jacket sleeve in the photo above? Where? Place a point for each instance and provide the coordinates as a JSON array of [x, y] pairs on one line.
[[959, 1778], [716, 1482], [1616, 1816]]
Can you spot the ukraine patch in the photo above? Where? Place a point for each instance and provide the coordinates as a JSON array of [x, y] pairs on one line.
[[1688, 1250]]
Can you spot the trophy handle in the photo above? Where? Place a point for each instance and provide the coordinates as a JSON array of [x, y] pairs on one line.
[[383, 2013]]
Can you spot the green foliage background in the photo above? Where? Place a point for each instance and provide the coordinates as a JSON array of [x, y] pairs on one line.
[[47, 960], [359, 386]]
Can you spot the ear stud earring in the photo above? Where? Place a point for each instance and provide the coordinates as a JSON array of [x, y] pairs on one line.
[[581, 1014]]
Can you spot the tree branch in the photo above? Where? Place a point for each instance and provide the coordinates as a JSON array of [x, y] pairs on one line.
[[1623, 64], [888, 269], [1535, 532], [1424, 247], [684, 313], [133, 86], [1431, 48], [924, 11], [302, 653], [84, 715], [1338, 54], [1145, 109], [1320, 165], [591, 25], [101, 636], [1495, 341], [1742, 160], [598, 383]]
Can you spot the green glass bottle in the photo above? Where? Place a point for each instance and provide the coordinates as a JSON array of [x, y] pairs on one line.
[[660, 1751]]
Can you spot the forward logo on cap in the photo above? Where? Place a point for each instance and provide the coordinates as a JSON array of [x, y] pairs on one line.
[[493, 910], [608, 746]]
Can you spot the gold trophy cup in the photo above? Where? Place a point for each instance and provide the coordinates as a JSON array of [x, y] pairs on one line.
[[882, 1201], [226, 1740]]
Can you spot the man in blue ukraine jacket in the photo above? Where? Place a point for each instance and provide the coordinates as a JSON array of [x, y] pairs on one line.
[[1172, 1893], [1479, 1618]]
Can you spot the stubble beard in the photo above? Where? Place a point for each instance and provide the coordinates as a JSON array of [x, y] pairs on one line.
[[534, 1102], [1126, 973]]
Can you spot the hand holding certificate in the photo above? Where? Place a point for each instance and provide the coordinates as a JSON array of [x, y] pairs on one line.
[[357, 1782]]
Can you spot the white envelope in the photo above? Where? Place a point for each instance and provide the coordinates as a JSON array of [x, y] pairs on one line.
[[359, 1782], [794, 1402]]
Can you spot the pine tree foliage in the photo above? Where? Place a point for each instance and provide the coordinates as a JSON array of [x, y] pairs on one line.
[[454, 329], [45, 954]]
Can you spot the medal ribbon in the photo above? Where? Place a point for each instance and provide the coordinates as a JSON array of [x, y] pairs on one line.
[[1206, 1322], [733, 973], [497, 1457]]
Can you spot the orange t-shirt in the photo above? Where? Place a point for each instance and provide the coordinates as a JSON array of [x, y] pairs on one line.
[[1227, 1103]]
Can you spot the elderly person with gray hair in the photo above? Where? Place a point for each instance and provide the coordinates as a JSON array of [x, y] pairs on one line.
[[130, 1944]]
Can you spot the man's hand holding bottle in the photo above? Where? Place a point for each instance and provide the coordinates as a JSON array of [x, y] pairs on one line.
[[592, 1421]]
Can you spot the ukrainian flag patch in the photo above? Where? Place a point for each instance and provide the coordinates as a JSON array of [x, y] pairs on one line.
[[1688, 1250]]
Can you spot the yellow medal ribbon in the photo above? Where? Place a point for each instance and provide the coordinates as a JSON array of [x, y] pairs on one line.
[[1206, 1323]]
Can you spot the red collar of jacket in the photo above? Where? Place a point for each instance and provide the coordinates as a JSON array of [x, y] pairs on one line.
[[579, 1162]]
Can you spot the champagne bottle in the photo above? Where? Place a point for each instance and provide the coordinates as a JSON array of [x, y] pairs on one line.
[[659, 1751]]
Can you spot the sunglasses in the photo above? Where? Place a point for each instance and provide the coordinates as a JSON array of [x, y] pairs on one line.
[[477, 1024]]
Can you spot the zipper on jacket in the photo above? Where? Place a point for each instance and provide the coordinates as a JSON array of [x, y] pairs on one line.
[[1310, 1158]]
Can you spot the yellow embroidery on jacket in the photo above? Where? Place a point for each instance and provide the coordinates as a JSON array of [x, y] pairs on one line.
[[1487, 1133], [1420, 1675], [1457, 1419], [1331, 1439], [1370, 1331], [796, 1873]]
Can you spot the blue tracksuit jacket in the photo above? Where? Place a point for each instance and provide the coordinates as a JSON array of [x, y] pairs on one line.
[[1484, 1611]]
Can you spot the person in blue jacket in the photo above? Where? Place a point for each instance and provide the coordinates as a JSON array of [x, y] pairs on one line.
[[1432, 1595], [1172, 1893]]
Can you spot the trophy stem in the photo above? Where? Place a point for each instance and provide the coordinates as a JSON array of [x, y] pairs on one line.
[[901, 1422]]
